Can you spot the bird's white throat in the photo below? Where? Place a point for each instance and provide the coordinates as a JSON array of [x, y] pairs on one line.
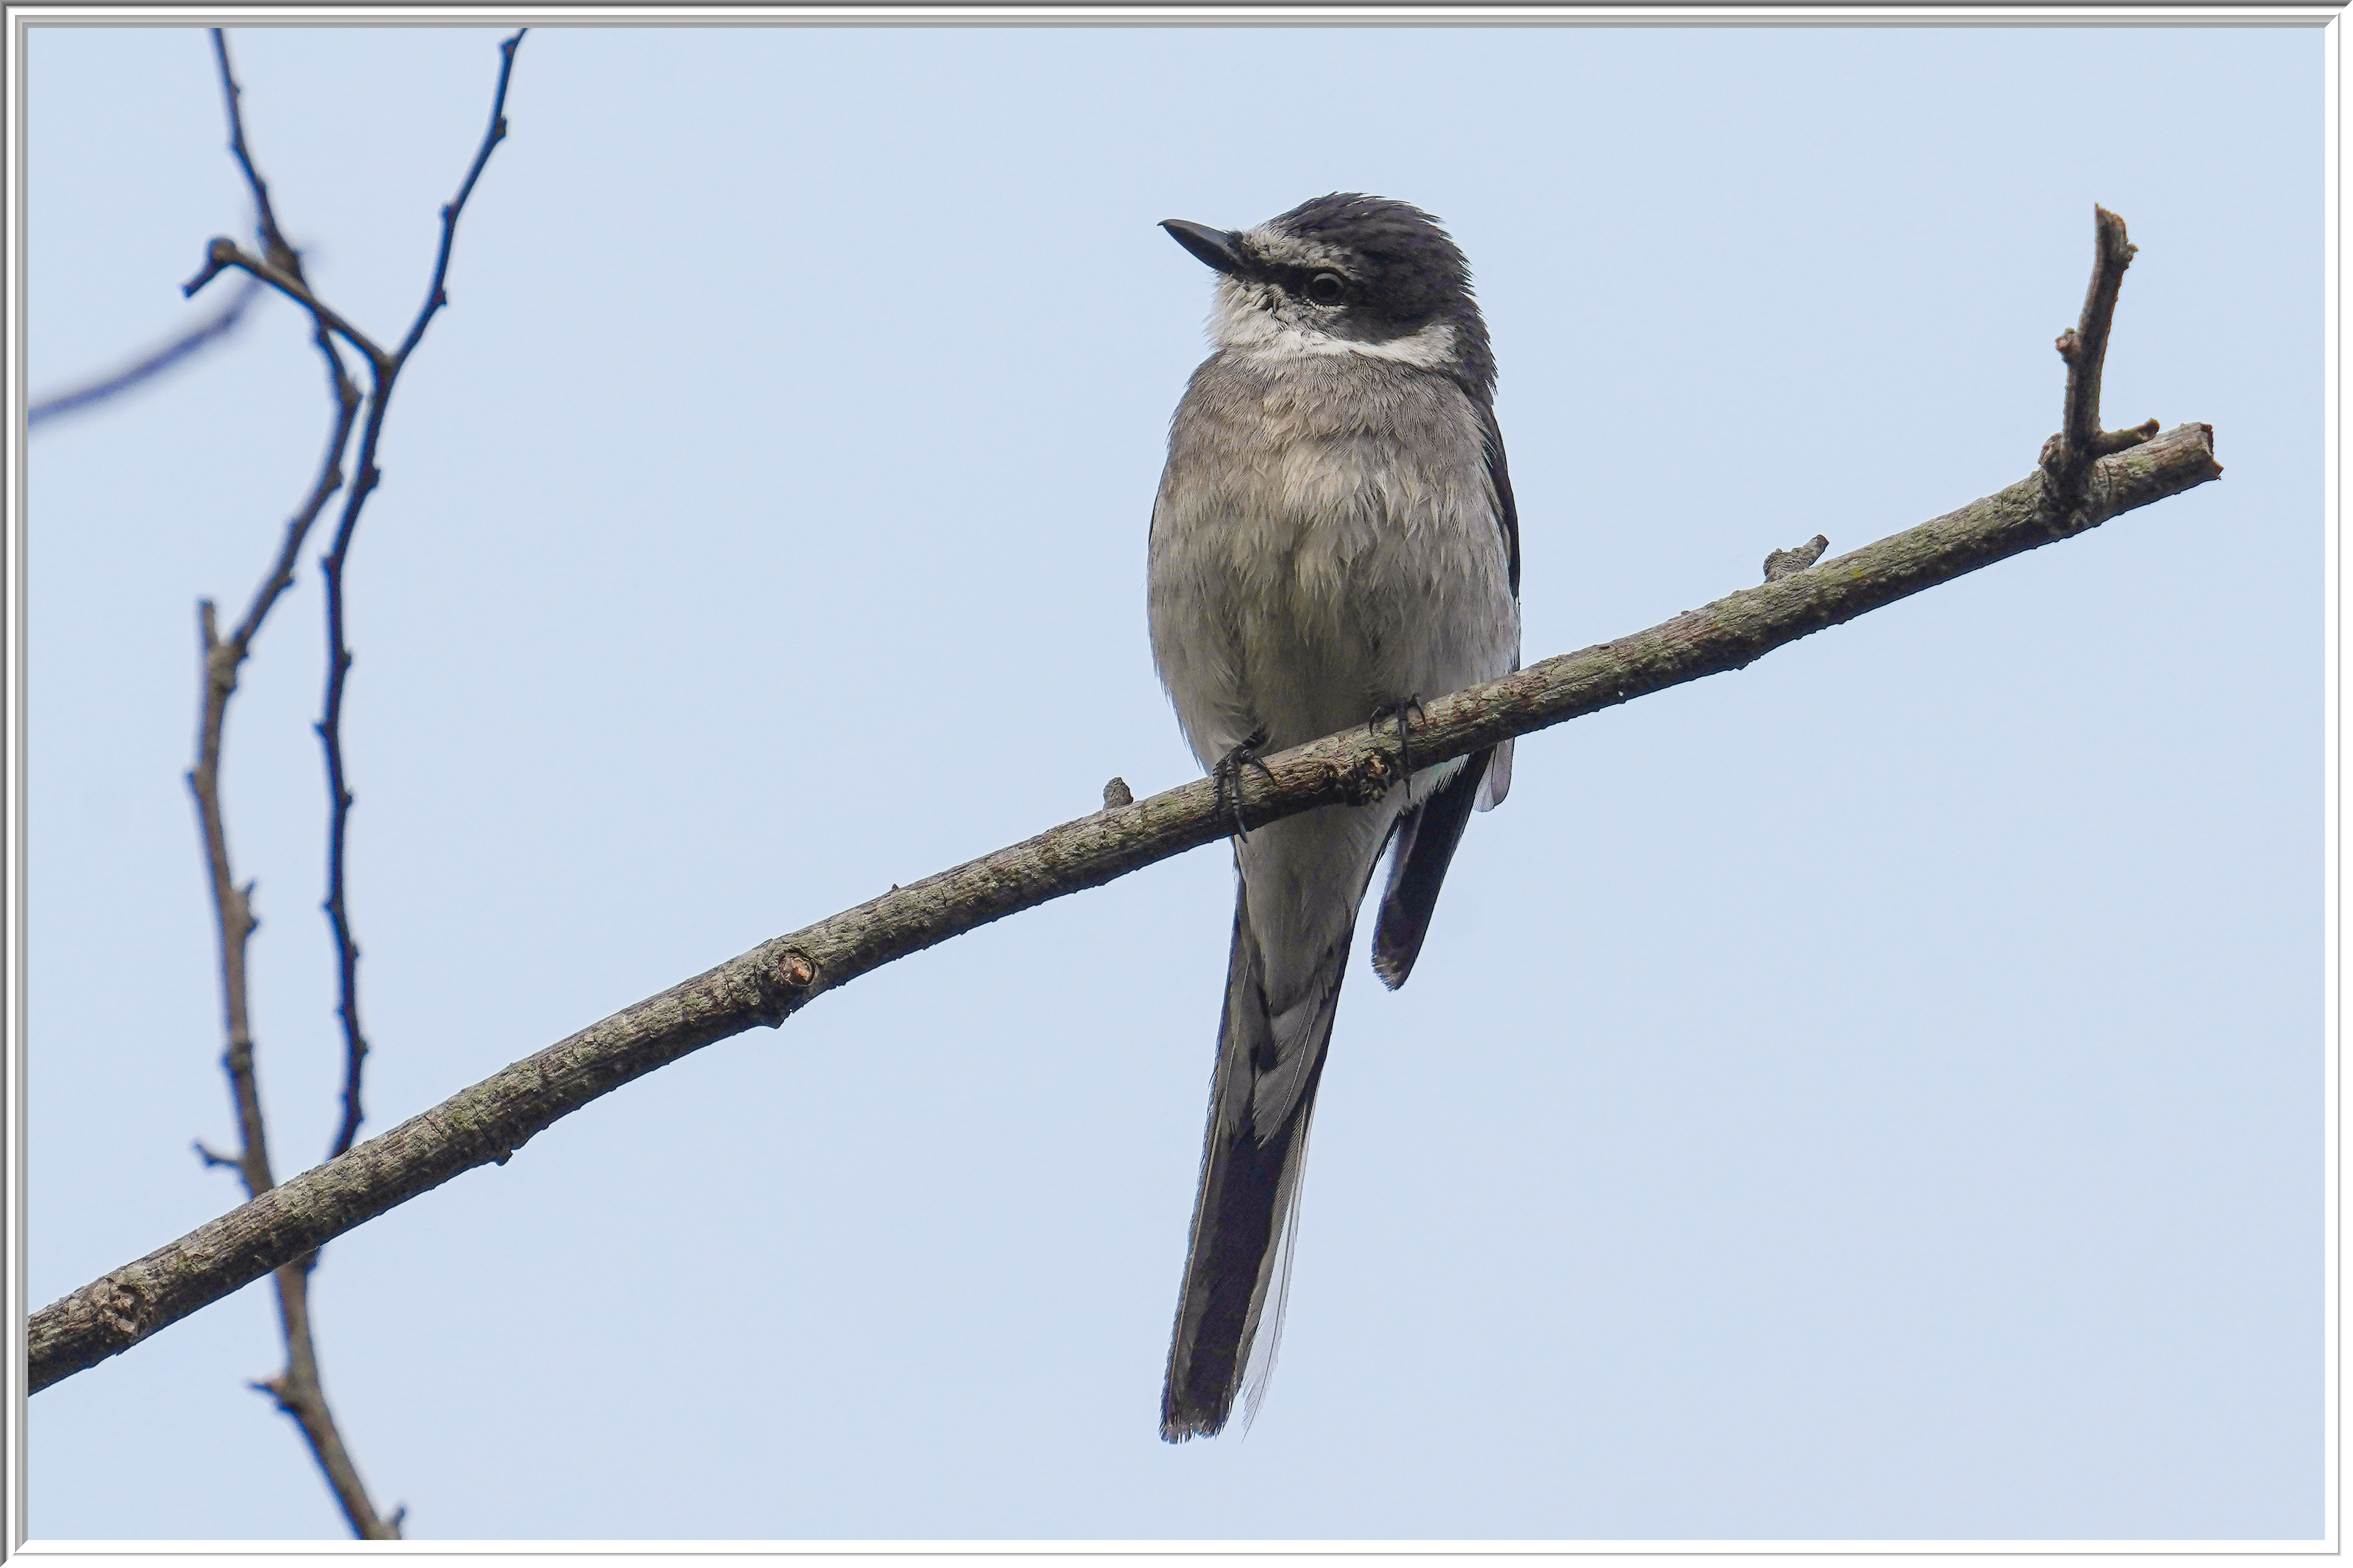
[[1259, 320]]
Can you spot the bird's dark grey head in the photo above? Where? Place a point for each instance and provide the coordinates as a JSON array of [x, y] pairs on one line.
[[1346, 274]]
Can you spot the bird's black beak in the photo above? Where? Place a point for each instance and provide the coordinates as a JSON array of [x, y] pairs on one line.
[[1213, 245]]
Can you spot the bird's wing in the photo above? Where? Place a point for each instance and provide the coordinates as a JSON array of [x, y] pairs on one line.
[[1499, 475], [1426, 837], [1428, 834], [1496, 779]]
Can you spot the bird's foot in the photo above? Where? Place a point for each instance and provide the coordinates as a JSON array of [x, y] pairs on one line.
[[1228, 774], [1398, 710]]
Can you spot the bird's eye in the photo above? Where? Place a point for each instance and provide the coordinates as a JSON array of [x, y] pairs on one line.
[[1326, 287]]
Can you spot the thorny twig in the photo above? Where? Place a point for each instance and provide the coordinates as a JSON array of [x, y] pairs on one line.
[[297, 1389], [486, 1123]]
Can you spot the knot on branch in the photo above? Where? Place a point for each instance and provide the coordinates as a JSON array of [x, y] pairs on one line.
[[121, 1308], [221, 662], [1372, 776], [782, 985]]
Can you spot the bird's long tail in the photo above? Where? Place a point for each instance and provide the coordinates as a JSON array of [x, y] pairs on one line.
[[1298, 887]]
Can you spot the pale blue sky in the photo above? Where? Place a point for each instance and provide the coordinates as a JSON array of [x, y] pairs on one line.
[[1876, 1094]]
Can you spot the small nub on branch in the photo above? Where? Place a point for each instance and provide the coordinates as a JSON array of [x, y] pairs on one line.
[[2110, 441], [219, 256], [1796, 559]]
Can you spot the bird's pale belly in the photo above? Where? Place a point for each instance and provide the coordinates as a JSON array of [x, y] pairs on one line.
[[1333, 612]]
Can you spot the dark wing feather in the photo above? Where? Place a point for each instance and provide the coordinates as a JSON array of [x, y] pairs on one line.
[[1499, 473], [1426, 837]]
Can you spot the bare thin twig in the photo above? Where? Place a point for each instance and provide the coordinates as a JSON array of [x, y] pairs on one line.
[[265, 216], [386, 373], [225, 254], [212, 329], [297, 1389], [438, 296], [2068, 457], [281, 254]]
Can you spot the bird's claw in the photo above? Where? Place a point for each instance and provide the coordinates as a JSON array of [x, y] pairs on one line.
[[1398, 710], [1228, 774]]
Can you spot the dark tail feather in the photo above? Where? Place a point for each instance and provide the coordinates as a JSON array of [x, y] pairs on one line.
[[1426, 837], [1249, 1192]]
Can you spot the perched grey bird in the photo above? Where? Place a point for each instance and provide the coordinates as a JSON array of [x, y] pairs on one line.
[[1334, 542]]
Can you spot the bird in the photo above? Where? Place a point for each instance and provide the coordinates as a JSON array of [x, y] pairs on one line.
[[1333, 543]]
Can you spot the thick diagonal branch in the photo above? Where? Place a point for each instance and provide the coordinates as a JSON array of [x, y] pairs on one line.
[[490, 1121]]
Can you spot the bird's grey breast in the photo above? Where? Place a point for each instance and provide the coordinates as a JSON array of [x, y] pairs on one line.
[[1326, 540]]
